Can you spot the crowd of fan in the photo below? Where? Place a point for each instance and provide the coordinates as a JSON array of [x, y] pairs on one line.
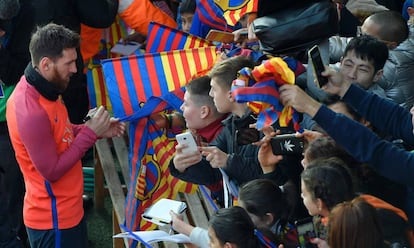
[[351, 186]]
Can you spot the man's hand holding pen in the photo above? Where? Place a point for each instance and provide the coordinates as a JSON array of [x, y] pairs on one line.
[[99, 120]]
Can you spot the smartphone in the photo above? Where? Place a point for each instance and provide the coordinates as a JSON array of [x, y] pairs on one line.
[[220, 36], [187, 139], [287, 144], [306, 231], [317, 66]]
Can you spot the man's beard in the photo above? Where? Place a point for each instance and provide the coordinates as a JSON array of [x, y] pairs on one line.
[[59, 82]]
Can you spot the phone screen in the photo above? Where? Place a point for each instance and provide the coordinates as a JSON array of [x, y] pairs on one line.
[[318, 66], [306, 232]]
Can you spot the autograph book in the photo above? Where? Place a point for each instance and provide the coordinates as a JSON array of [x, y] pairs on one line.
[[159, 212]]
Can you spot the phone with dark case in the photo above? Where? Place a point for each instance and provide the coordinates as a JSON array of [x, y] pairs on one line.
[[317, 66], [306, 232], [287, 144]]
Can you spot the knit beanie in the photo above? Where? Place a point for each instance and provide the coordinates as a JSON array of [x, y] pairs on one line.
[[9, 9]]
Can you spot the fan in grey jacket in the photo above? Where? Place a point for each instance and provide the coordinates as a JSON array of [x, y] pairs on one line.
[[391, 28], [397, 79]]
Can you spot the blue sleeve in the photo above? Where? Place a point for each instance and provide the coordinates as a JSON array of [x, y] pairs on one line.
[[389, 160], [383, 114]]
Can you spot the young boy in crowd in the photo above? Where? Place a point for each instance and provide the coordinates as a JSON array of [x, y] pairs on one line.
[[231, 152], [186, 12]]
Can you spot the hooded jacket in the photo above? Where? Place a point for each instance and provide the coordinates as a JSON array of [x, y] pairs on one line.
[[397, 79]]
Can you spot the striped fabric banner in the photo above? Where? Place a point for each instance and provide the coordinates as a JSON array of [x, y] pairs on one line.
[[263, 95], [97, 92], [224, 15], [139, 86], [234, 10], [116, 31], [132, 80], [150, 153], [211, 15], [162, 38]]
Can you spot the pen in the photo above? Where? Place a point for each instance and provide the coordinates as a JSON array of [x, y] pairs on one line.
[[156, 219], [90, 115]]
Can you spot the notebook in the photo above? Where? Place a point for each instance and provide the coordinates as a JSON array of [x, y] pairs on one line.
[[159, 212], [125, 49], [155, 236]]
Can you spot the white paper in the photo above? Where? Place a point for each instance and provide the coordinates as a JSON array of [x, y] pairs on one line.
[[155, 236], [125, 49], [159, 213]]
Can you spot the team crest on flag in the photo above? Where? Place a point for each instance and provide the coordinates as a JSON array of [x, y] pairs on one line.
[[151, 150], [140, 86], [231, 4], [234, 10]]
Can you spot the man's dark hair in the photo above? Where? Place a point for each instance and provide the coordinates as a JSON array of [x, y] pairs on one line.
[[50, 41], [199, 89], [9, 9], [226, 71], [393, 26], [188, 6], [368, 48]]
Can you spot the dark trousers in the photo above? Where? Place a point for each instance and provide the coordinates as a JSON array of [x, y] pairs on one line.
[[64, 238], [11, 194]]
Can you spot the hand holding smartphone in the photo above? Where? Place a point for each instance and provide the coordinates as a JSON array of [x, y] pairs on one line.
[[188, 140], [317, 66], [306, 232]]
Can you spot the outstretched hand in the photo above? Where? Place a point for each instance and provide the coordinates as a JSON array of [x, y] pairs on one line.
[[294, 96], [267, 159], [310, 135], [116, 129], [337, 84], [216, 157]]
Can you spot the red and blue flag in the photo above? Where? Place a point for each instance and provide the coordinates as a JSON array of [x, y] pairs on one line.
[[163, 38]]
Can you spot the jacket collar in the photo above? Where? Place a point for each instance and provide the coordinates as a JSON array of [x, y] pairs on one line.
[[44, 87]]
